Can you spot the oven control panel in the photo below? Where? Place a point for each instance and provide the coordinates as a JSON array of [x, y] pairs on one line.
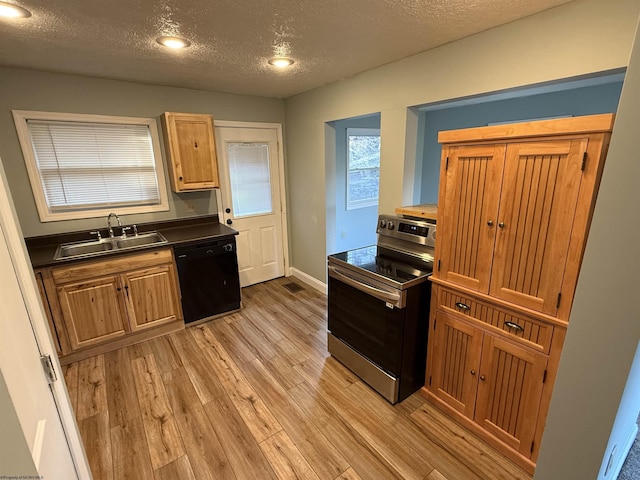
[[408, 229]]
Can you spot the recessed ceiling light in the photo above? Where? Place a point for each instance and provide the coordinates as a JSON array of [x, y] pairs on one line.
[[173, 42], [281, 62], [9, 10]]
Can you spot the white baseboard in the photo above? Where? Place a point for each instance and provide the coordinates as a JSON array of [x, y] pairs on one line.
[[308, 279], [621, 456]]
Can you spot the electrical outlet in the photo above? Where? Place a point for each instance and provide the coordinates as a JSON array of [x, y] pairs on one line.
[[343, 234], [189, 207]]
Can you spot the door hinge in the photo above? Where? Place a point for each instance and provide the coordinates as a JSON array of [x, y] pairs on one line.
[[544, 377], [434, 323], [558, 302], [446, 165], [49, 371], [429, 380], [438, 265], [532, 444], [584, 161]]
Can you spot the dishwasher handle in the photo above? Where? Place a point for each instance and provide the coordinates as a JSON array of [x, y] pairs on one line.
[[393, 299]]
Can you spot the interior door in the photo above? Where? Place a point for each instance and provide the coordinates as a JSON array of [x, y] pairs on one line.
[[28, 388], [251, 199]]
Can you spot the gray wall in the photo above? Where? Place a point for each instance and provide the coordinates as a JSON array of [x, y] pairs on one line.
[[353, 228], [40, 91], [15, 457], [604, 326], [574, 102], [579, 38]]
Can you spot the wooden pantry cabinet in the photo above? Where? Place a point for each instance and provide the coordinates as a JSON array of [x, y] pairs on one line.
[[100, 305], [514, 209], [191, 151]]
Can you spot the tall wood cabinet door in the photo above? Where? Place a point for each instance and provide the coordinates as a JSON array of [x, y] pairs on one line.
[[537, 206], [151, 297], [509, 392], [456, 360], [468, 223], [91, 311], [191, 145]]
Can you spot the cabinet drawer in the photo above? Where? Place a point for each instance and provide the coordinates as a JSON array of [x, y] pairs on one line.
[[531, 332]]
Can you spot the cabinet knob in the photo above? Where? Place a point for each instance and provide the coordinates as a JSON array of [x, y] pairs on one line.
[[501, 224], [229, 221], [490, 223], [228, 210], [472, 372], [180, 178], [483, 378]]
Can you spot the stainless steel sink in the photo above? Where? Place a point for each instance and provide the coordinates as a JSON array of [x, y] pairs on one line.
[[140, 240], [106, 245]]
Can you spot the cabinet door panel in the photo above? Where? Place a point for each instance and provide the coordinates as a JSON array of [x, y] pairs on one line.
[[151, 297], [509, 396], [472, 192], [456, 356], [537, 205], [91, 311], [191, 147]]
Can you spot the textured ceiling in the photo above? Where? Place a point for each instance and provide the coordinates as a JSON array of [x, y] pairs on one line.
[[232, 39]]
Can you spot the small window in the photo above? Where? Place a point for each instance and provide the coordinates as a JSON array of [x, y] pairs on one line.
[[363, 167], [83, 166]]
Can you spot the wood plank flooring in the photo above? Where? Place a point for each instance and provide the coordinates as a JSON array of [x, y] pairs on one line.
[[255, 395]]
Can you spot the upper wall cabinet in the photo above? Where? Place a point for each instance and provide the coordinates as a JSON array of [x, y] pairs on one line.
[[191, 151], [515, 206]]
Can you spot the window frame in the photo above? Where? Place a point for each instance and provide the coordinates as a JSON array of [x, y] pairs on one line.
[[46, 215], [356, 204]]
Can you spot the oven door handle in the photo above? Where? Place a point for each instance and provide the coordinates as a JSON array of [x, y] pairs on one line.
[[390, 298]]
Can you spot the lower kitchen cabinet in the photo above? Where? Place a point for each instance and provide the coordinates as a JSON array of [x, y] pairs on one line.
[[92, 311], [100, 305], [494, 382]]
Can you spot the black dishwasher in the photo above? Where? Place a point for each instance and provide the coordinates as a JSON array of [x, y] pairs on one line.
[[209, 282]]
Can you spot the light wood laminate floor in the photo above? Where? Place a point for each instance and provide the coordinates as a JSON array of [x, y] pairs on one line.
[[255, 395]]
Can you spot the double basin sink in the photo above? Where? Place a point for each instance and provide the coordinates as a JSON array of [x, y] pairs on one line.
[[107, 245]]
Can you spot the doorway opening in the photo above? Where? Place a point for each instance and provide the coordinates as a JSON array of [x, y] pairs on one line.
[[352, 179]]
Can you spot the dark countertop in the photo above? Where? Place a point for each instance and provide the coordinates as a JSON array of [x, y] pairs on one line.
[[177, 232]]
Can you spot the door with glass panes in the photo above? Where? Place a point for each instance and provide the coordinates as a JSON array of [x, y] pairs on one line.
[[251, 199]]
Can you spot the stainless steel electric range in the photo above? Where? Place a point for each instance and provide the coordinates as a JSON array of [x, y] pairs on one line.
[[379, 306]]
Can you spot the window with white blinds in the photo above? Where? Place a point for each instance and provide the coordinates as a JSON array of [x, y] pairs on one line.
[[84, 166], [250, 178]]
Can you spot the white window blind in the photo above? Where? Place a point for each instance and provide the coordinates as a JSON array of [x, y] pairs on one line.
[[250, 177], [84, 165]]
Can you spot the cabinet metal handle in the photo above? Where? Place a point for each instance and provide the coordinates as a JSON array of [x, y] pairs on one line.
[[472, 372], [515, 326], [501, 224], [483, 378], [490, 223], [463, 306]]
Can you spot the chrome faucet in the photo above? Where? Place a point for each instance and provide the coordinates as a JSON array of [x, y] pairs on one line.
[[109, 223]]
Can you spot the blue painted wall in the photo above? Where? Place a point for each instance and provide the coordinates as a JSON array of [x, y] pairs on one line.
[[579, 101], [353, 228]]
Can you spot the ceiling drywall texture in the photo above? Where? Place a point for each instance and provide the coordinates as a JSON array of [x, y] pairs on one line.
[[233, 39]]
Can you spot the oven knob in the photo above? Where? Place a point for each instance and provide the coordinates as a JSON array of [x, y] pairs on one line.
[[383, 223], [390, 225]]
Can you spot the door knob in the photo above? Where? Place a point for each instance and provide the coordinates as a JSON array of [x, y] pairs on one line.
[[228, 210], [229, 221]]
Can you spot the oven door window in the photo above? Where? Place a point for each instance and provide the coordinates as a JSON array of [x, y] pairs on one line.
[[367, 325]]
